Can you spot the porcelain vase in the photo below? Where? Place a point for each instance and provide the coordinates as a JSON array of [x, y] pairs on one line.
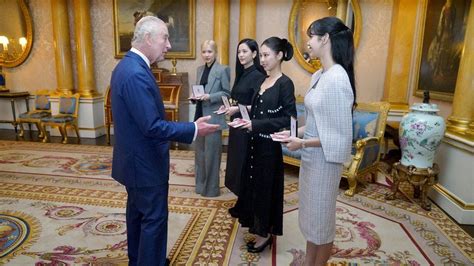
[[420, 133]]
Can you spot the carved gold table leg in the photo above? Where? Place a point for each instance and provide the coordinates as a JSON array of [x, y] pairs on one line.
[[422, 178], [396, 182]]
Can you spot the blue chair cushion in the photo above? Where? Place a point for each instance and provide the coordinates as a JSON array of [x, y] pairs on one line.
[[301, 113], [2, 80], [42, 102], [35, 115], [364, 124], [370, 156], [58, 119], [67, 105]]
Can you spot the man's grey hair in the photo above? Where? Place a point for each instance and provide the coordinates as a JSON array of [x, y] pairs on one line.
[[148, 24]]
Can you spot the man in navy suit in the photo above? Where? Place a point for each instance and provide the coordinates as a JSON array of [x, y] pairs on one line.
[[142, 136]]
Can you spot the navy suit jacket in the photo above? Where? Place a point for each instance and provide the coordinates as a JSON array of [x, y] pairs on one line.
[[142, 135]]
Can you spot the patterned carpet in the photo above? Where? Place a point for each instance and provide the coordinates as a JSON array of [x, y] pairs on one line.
[[59, 206]]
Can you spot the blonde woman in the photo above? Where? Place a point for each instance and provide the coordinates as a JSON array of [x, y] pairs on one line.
[[216, 81]]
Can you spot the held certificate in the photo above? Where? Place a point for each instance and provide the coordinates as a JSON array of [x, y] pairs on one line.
[[198, 91], [244, 112], [226, 103], [294, 127]]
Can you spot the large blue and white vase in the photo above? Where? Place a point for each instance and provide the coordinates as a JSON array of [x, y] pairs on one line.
[[420, 133]]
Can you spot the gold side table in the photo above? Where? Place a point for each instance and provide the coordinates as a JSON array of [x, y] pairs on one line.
[[422, 178]]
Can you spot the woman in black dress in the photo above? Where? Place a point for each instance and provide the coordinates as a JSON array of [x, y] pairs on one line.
[[248, 74], [260, 200]]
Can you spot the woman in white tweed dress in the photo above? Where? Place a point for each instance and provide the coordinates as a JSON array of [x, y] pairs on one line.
[[327, 135]]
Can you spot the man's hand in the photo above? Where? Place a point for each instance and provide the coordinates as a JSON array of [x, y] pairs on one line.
[[205, 128]]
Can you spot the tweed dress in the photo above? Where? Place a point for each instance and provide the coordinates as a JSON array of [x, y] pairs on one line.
[[328, 117]]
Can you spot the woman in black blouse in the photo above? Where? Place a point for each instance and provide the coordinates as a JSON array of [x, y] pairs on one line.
[[261, 195], [216, 81], [248, 72]]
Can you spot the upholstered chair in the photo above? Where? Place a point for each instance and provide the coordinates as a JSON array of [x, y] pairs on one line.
[[67, 117], [42, 110], [368, 123]]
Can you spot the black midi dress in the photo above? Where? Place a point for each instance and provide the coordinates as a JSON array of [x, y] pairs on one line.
[[260, 203]]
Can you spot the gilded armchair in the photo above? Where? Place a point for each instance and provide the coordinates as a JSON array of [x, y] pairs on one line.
[[42, 110], [67, 117], [369, 120]]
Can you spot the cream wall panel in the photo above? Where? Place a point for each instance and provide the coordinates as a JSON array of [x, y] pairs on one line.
[[371, 55], [38, 71], [103, 41]]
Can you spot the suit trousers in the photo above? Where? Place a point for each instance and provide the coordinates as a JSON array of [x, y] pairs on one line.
[[207, 164], [147, 225]]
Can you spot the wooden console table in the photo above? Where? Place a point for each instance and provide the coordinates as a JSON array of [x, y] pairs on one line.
[[13, 96]]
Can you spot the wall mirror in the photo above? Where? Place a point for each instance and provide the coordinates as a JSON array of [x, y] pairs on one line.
[[304, 12], [16, 32]]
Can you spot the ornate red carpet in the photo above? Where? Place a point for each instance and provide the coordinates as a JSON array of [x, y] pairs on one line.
[[58, 204]]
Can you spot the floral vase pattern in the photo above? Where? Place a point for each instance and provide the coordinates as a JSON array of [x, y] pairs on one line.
[[421, 132]]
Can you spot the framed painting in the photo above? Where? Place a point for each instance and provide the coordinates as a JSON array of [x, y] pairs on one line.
[[179, 15], [442, 42]]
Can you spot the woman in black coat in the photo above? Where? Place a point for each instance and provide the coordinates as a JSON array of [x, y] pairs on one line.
[[248, 74]]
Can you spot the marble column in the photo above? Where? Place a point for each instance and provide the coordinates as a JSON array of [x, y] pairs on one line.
[[399, 59], [221, 30], [84, 53], [461, 121], [62, 46], [247, 19]]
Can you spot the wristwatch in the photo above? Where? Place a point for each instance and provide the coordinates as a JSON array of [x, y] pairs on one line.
[[303, 143]]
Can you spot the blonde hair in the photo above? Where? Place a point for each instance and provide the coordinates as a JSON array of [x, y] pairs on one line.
[[210, 43]]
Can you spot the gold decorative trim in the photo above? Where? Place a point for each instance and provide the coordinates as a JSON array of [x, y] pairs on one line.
[[188, 54], [315, 64], [399, 107], [33, 234], [461, 128], [29, 37], [453, 198], [92, 129], [459, 141], [291, 161]]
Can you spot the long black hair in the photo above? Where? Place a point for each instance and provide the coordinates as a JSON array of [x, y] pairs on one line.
[[280, 45], [342, 44], [239, 68]]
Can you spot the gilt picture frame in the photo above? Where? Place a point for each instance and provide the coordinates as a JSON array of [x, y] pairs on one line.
[[179, 15], [443, 27]]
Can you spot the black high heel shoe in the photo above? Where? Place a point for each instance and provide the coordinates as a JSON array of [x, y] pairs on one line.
[[254, 249]]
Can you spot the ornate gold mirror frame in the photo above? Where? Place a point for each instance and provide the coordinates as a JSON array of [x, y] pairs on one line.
[[15, 43], [304, 12]]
